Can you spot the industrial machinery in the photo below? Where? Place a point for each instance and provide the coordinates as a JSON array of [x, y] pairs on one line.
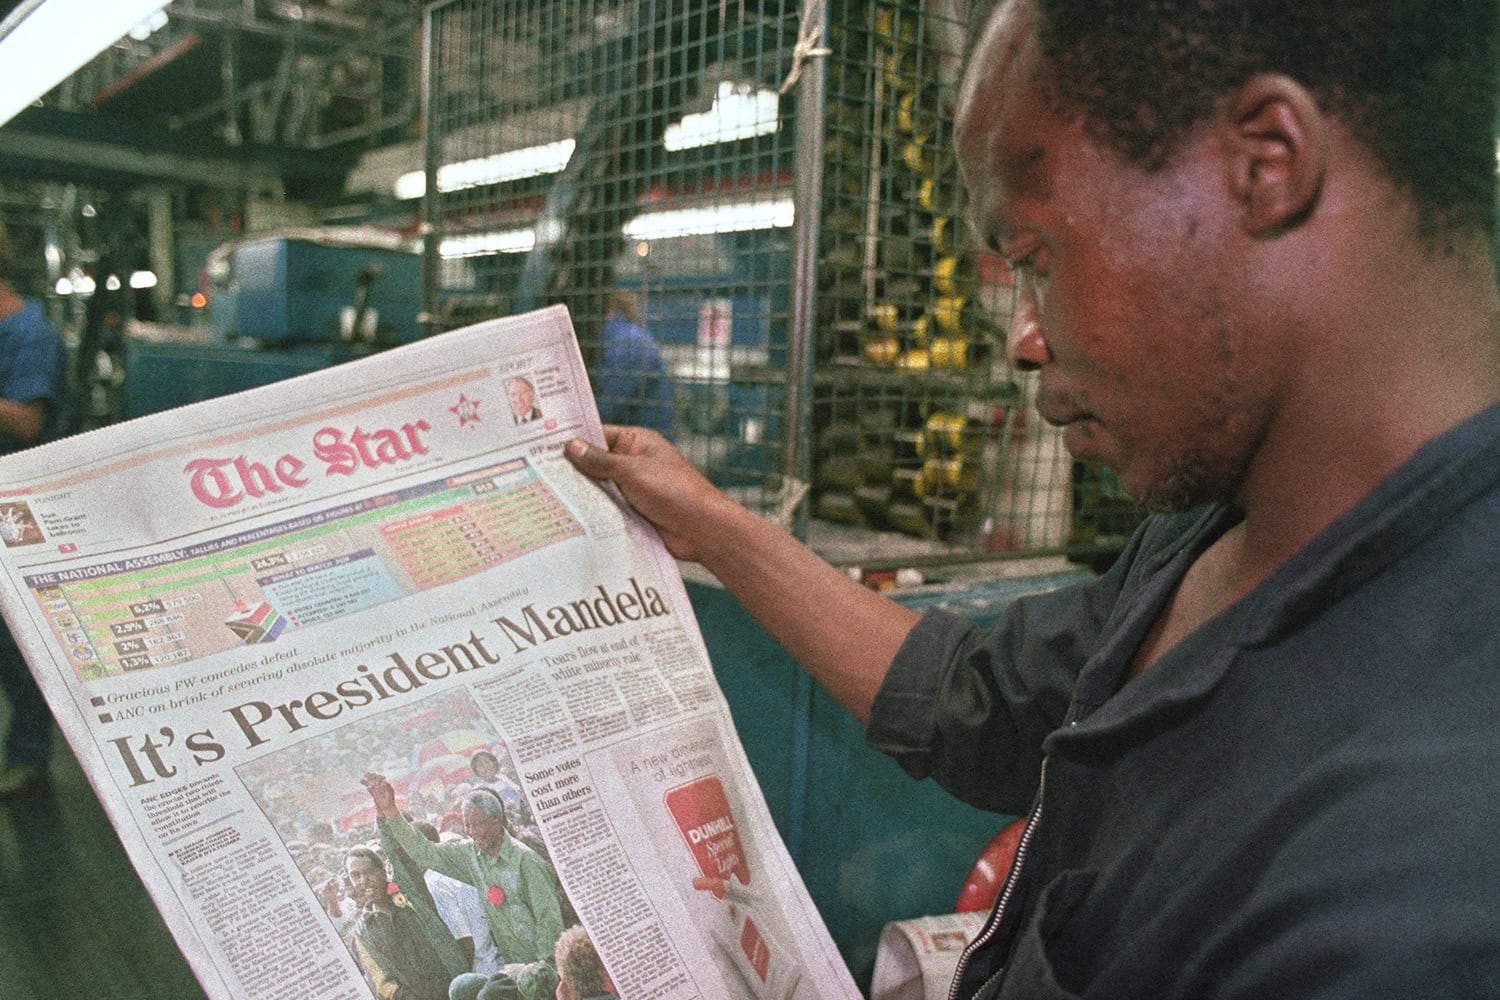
[[279, 304]]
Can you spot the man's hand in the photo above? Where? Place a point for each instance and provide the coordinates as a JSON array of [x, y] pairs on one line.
[[731, 889], [381, 791], [333, 897], [660, 484], [843, 633]]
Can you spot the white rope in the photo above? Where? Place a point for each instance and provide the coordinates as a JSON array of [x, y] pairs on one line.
[[789, 499], [814, 14]]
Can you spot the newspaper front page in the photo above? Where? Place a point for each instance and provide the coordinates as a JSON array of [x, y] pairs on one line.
[[255, 616]]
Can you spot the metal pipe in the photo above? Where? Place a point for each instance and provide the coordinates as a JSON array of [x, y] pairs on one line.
[[361, 131], [309, 35], [807, 200], [232, 134], [431, 237]]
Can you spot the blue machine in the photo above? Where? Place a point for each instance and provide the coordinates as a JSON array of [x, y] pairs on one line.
[[162, 376], [280, 305], [307, 291]]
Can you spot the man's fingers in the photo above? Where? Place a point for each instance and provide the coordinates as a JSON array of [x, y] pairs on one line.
[[628, 440], [604, 463], [589, 459]]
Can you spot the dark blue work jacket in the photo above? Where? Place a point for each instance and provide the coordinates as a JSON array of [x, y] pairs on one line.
[[1300, 800]]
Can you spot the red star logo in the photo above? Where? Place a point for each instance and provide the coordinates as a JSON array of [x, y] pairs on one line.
[[466, 409]]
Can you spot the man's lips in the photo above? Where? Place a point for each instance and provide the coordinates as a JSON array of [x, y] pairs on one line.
[[1060, 411]]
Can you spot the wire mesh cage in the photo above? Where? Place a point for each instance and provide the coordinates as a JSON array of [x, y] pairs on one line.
[[757, 225]]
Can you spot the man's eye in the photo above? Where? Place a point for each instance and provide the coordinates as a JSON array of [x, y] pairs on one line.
[[1017, 254], [1029, 256]]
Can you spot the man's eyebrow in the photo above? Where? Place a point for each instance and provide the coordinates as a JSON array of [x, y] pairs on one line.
[[1025, 175]]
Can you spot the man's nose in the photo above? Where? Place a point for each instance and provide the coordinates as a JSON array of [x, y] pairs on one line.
[[1025, 346]]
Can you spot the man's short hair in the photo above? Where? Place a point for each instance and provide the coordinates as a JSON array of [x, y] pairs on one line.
[[487, 801], [626, 304], [364, 854], [578, 962], [1414, 80]]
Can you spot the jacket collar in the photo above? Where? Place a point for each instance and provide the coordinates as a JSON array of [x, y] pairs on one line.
[[1417, 500]]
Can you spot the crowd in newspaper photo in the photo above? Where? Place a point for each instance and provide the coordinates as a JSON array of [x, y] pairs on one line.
[[457, 786]]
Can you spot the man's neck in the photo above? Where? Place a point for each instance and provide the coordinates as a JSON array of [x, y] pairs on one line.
[[1306, 480], [1366, 371], [10, 302]]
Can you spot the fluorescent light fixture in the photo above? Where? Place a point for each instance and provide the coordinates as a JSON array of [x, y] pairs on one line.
[[533, 161], [480, 244], [729, 218], [732, 217], [736, 114], [42, 43], [411, 185], [75, 282], [149, 26]]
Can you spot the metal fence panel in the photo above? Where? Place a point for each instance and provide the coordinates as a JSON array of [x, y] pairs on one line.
[[763, 248]]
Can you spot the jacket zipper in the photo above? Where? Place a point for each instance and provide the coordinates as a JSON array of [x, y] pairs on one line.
[[997, 915]]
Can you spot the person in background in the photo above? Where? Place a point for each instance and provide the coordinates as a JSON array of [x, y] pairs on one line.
[[533, 981], [1253, 251], [390, 938], [631, 382], [581, 973], [31, 396], [486, 768], [341, 908], [522, 898], [462, 911]]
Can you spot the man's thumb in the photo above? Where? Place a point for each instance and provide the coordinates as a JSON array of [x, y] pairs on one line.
[[588, 459]]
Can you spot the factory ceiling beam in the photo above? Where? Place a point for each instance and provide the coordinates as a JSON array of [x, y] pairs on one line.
[[164, 58], [58, 156], [369, 36]]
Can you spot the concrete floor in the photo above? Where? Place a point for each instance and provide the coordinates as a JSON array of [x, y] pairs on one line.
[[75, 920]]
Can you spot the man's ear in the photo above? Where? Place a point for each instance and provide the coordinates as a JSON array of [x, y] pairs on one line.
[[1278, 140]]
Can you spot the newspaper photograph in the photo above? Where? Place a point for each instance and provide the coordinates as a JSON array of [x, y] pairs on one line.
[[385, 699]]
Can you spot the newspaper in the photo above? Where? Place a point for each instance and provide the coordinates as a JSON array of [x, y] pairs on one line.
[[246, 611], [917, 958]]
